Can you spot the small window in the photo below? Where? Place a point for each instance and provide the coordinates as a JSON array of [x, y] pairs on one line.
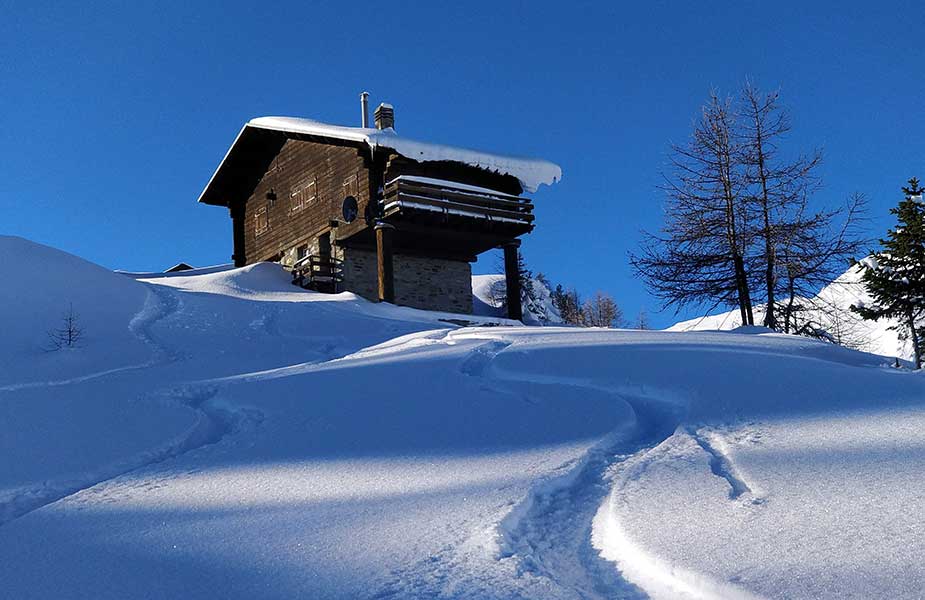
[[261, 220], [301, 252], [302, 195], [351, 187]]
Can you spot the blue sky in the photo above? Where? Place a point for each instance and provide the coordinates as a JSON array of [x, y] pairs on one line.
[[113, 117]]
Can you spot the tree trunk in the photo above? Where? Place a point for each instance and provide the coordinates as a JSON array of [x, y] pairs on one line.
[[769, 254], [770, 319], [745, 302], [917, 351]]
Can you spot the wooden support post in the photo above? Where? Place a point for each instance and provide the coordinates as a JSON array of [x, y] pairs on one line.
[[237, 228], [512, 279], [384, 233]]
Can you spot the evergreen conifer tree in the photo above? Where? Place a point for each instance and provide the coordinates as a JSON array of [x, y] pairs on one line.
[[895, 276]]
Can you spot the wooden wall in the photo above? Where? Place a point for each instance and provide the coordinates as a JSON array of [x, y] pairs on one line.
[[302, 165]]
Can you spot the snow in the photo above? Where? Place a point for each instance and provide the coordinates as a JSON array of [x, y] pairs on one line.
[[876, 337], [41, 285], [225, 434], [530, 172], [871, 262], [483, 297]]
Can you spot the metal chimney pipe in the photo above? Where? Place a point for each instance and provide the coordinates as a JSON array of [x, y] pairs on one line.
[[364, 107]]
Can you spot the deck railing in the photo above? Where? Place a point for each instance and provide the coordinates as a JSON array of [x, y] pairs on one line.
[[318, 272], [450, 198]]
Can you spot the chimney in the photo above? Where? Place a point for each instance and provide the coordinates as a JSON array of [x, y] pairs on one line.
[[364, 108], [385, 116]]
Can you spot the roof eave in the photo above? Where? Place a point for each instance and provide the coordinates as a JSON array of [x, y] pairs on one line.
[[205, 190]]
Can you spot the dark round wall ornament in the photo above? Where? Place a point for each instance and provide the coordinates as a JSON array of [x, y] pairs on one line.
[[350, 209]]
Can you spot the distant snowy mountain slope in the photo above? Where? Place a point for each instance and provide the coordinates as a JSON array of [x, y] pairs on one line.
[[487, 289], [281, 443], [838, 320]]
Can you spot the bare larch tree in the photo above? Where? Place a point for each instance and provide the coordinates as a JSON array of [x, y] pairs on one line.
[[601, 311], [777, 188], [700, 255], [739, 225]]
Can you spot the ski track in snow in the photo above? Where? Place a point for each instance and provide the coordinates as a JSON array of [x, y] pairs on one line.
[[211, 426], [546, 538], [552, 532], [158, 305], [722, 465]]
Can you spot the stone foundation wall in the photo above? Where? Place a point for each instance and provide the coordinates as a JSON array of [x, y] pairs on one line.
[[428, 283]]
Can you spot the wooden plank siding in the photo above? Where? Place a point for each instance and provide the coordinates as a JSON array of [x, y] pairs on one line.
[[321, 173], [300, 165]]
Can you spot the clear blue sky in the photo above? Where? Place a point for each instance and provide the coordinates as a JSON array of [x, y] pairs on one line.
[[113, 116]]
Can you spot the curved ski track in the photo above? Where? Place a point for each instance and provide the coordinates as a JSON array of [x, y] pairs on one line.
[[211, 424], [545, 540]]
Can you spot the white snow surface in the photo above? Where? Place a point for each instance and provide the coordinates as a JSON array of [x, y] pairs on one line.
[[224, 434], [870, 336], [529, 171]]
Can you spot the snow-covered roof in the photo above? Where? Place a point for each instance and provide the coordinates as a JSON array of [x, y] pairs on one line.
[[529, 171]]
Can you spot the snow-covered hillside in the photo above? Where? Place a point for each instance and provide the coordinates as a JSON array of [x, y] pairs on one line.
[[224, 434], [837, 319], [487, 290]]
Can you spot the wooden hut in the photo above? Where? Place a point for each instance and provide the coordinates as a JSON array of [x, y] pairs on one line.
[[366, 210]]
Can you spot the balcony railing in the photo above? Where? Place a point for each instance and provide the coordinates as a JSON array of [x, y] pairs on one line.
[[456, 199], [319, 273]]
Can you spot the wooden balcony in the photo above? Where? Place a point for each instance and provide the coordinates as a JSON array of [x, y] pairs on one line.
[[438, 201]]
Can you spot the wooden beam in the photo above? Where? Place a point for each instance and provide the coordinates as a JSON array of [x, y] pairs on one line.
[[460, 235], [384, 233], [512, 280], [237, 230]]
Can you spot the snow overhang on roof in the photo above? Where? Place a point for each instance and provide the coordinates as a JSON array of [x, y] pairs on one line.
[[530, 172]]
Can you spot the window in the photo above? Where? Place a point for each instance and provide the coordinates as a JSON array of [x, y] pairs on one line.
[[261, 220], [303, 194], [301, 252], [350, 187]]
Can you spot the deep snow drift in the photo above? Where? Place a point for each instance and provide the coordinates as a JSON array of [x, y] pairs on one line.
[[224, 434]]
